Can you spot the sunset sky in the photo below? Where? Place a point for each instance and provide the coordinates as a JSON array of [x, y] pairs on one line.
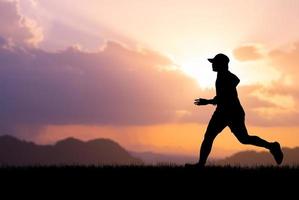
[[129, 70]]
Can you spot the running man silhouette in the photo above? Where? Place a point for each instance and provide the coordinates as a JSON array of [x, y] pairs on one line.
[[229, 112]]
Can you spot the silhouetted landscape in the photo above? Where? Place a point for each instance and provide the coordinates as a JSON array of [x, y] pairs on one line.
[[242, 158], [70, 151], [102, 163], [253, 158]]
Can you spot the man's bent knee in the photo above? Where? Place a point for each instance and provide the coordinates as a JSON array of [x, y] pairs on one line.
[[244, 140], [210, 136]]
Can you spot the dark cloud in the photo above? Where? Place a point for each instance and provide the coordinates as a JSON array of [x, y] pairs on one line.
[[2, 42], [115, 86], [247, 53]]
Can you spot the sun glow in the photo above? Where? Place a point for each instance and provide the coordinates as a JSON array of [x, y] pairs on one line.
[[199, 69]]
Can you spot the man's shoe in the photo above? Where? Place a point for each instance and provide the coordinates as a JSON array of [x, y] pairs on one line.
[[276, 152]]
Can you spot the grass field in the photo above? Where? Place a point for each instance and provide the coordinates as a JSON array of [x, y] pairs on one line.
[[151, 179], [167, 172]]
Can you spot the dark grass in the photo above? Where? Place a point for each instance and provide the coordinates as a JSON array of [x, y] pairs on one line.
[[150, 179], [149, 172], [146, 171]]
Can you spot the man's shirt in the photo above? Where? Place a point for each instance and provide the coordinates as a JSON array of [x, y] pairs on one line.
[[226, 94]]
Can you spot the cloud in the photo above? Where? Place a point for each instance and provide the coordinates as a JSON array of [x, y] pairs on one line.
[[62, 26], [16, 28], [34, 3], [115, 86], [247, 53], [286, 60], [282, 94], [265, 108], [59, 35], [275, 104]]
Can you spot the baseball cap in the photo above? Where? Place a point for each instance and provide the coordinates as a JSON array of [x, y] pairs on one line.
[[219, 58]]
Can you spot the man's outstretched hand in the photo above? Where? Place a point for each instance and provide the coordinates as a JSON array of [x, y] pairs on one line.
[[201, 102]]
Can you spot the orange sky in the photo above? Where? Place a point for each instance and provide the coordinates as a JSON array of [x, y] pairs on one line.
[[169, 138], [260, 36]]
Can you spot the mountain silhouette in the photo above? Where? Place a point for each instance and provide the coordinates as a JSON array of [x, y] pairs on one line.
[[70, 151], [253, 158], [242, 158]]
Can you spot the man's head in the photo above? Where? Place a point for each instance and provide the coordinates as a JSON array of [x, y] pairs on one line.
[[219, 62]]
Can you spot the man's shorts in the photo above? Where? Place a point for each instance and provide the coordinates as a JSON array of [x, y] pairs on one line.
[[220, 120]]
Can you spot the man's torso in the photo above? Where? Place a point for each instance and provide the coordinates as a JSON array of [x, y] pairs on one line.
[[227, 95]]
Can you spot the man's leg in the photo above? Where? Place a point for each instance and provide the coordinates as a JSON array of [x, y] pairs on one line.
[[216, 125], [238, 128]]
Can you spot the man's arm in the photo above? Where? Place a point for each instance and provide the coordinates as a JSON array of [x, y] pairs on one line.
[[202, 101]]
